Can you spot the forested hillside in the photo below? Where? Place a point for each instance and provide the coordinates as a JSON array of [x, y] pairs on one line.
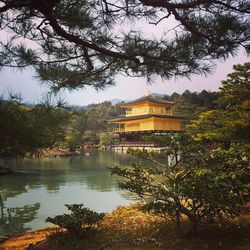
[[86, 124], [191, 104], [34, 127]]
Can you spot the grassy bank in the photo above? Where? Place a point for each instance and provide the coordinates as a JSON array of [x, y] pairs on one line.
[[129, 228]]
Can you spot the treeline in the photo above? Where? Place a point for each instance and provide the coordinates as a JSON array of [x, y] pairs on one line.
[[30, 128], [87, 124], [191, 104]]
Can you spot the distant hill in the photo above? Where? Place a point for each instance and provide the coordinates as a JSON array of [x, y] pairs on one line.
[[115, 101], [159, 95]]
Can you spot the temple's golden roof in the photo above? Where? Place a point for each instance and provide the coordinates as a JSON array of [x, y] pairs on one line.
[[148, 98], [139, 117]]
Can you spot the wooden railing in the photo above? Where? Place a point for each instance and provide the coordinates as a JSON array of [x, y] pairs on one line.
[[135, 144], [118, 130], [147, 111], [122, 130]]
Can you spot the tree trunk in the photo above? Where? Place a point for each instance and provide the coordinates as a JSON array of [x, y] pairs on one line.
[[177, 218], [192, 226]]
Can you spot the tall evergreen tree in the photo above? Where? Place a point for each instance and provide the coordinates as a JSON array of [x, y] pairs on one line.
[[28, 129], [230, 122]]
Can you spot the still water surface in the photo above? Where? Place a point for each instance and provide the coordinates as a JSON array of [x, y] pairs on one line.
[[39, 188]]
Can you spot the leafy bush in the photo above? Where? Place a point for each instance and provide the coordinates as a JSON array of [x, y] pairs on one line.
[[189, 179], [79, 221]]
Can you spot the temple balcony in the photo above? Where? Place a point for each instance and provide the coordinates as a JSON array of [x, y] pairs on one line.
[[135, 144], [145, 111], [118, 130], [129, 129]]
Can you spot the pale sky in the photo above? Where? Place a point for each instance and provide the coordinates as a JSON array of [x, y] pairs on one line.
[[126, 88]]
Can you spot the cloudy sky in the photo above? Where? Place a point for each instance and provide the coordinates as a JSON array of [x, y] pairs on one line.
[[126, 88]]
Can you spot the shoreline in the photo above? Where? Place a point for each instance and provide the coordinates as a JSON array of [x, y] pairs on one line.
[[5, 171], [126, 227]]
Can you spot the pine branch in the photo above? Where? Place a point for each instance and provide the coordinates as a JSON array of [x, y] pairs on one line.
[[79, 41], [15, 5]]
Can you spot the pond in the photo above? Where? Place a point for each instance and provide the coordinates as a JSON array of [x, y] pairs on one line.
[[39, 188]]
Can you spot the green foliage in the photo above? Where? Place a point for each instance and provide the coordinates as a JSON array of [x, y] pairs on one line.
[[28, 129], [235, 91], [48, 125], [89, 124], [230, 122], [191, 179], [12, 128], [191, 104], [206, 172], [79, 221], [90, 137], [87, 43], [97, 115], [75, 130], [106, 138]]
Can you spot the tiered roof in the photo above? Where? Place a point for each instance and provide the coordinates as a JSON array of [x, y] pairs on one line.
[[148, 98], [139, 117]]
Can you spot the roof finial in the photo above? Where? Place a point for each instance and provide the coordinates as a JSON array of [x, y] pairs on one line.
[[149, 93]]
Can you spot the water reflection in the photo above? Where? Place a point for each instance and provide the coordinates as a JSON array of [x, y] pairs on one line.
[[13, 220], [40, 188]]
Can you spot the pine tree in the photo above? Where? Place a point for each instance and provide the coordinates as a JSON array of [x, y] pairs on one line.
[[73, 44], [230, 122]]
